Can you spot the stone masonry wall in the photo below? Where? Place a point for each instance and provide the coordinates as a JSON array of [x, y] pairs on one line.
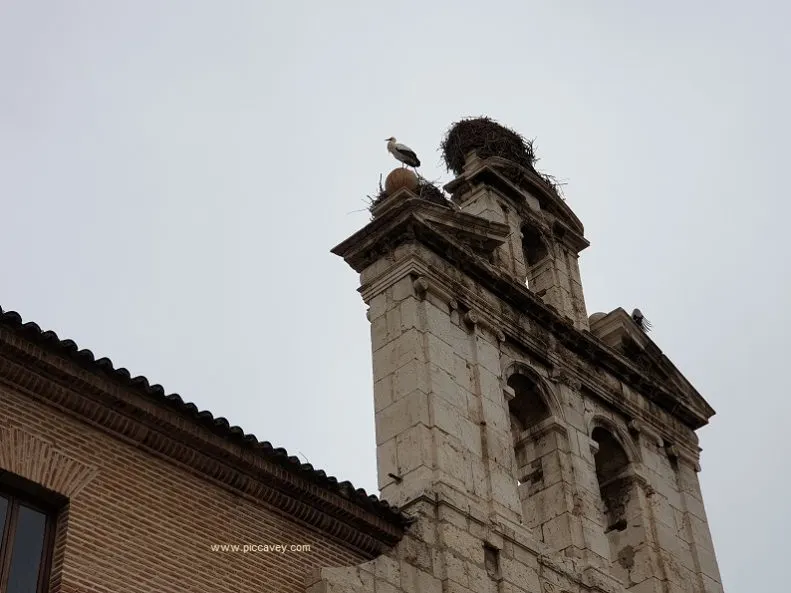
[[446, 454], [556, 278]]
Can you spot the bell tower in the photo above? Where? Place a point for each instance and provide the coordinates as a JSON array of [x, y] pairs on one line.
[[537, 449], [545, 238]]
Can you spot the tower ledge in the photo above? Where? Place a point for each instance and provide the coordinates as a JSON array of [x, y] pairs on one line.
[[467, 242], [521, 187]]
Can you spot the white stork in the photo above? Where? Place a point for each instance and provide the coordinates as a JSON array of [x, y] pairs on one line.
[[402, 153], [641, 321]]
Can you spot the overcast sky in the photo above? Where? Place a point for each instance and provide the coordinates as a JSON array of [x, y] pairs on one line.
[[174, 174]]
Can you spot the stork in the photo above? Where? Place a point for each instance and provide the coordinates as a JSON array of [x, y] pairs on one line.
[[641, 321], [402, 153]]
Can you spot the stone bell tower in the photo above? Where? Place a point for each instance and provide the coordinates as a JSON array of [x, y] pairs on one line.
[[537, 449]]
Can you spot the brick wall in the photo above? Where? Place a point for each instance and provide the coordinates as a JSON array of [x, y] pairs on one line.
[[139, 523]]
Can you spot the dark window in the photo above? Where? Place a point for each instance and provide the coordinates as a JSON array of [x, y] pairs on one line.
[[611, 462], [27, 530], [534, 248], [491, 559], [526, 410], [527, 407]]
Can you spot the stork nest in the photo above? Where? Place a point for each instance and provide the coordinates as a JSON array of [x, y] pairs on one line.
[[518, 175], [425, 189], [429, 191], [488, 138]]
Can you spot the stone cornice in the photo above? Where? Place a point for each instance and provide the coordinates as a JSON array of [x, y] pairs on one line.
[[493, 172], [113, 409], [617, 328], [403, 225], [443, 496], [536, 341]]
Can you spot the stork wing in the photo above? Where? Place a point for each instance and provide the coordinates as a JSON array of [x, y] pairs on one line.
[[403, 149], [406, 155]]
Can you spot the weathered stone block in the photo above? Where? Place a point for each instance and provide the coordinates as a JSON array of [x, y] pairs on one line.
[[443, 385], [562, 531], [455, 568], [708, 565], [387, 461], [556, 468], [454, 462], [348, 580], [386, 587], [594, 537], [409, 411], [448, 417], [415, 447], [500, 448], [386, 568], [575, 419], [488, 355], [491, 386], [711, 586], [651, 585], [695, 507], [416, 553], [495, 414], [461, 542], [379, 335], [383, 393], [454, 587], [443, 355], [377, 306], [553, 501], [413, 376], [700, 533], [396, 353], [638, 563], [414, 580], [479, 579], [504, 488], [519, 574], [409, 314], [402, 289], [413, 485]]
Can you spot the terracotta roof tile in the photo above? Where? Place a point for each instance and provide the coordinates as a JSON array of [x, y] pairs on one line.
[[220, 426]]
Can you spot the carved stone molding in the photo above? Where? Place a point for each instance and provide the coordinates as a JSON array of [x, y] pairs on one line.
[[421, 287], [684, 456], [639, 428], [41, 461], [546, 426], [597, 580], [471, 319], [562, 376]]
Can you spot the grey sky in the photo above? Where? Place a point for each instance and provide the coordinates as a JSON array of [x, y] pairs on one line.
[[173, 175]]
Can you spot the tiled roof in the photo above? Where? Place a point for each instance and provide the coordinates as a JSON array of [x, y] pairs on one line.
[[219, 426]]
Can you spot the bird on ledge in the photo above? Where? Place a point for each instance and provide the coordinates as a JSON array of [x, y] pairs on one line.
[[402, 153], [641, 321]]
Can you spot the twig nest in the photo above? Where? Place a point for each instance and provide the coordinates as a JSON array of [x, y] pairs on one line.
[[401, 178], [487, 138], [430, 192]]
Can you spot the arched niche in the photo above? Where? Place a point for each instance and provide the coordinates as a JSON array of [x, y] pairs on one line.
[[540, 443], [529, 377], [618, 433], [534, 248]]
